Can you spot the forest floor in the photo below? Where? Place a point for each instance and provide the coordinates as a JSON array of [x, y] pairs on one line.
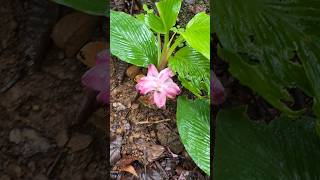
[[36, 114], [144, 139]]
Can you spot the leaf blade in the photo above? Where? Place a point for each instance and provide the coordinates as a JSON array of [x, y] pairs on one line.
[[94, 7], [193, 121], [169, 10], [193, 68], [284, 149], [131, 40], [197, 33]]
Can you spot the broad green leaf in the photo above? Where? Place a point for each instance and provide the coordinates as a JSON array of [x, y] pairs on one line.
[[193, 121], [169, 10], [197, 33], [193, 70], [252, 76], [140, 17], [285, 149], [94, 7], [131, 40], [270, 34], [155, 23]]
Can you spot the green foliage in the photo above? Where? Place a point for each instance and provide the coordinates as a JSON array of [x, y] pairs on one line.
[[131, 40], [155, 23], [252, 76], [266, 35], [193, 121], [197, 33], [193, 70], [94, 7], [169, 10], [285, 149]]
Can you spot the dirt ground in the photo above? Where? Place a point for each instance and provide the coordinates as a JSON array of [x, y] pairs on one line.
[[36, 114], [145, 139]]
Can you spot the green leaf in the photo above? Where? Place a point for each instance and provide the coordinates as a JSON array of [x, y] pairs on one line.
[[197, 33], [140, 17], [131, 40], [155, 23], [169, 10], [193, 70], [94, 7], [252, 76], [285, 149], [193, 121], [269, 34]]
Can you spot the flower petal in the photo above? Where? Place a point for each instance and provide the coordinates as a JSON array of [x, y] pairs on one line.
[[103, 97], [171, 89], [146, 84], [103, 57], [97, 77], [165, 74], [152, 71], [159, 98]]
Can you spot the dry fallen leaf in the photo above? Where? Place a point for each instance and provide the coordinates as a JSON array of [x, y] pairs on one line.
[[115, 150], [130, 169], [123, 162], [154, 152]]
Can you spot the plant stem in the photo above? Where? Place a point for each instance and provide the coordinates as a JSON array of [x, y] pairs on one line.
[[171, 39], [159, 48], [164, 56], [175, 45]]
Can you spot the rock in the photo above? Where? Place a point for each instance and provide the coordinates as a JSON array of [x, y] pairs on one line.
[[62, 138], [40, 177], [87, 54], [32, 166], [168, 137], [98, 119], [72, 31], [132, 71], [14, 170], [5, 177], [118, 106], [36, 108], [134, 106], [138, 77], [15, 136], [29, 141], [79, 142]]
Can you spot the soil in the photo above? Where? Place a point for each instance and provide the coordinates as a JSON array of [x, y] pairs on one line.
[[37, 113], [144, 138]]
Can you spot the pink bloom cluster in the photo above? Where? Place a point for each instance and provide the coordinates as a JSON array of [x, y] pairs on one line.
[[97, 78], [160, 84]]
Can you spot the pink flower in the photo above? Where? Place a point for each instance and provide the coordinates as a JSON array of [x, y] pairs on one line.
[[217, 90], [160, 84], [97, 78]]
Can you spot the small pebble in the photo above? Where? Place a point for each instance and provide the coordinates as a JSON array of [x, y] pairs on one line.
[[132, 71], [36, 108]]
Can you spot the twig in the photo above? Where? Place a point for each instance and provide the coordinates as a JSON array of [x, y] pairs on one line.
[[145, 161], [163, 171], [153, 122], [55, 163], [131, 8]]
